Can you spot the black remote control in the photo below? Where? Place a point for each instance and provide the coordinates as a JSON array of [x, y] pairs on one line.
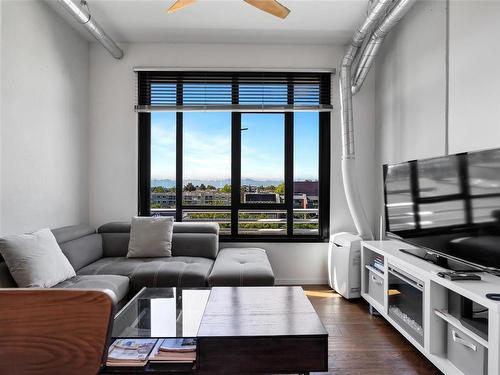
[[493, 296]]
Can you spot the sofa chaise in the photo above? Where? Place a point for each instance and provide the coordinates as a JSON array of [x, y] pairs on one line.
[[99, 259]]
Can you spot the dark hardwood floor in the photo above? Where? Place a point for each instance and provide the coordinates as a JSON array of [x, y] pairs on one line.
[[362, 344]]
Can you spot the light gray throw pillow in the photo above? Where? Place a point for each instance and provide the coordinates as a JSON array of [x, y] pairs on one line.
[[35, 259], [150, 237]]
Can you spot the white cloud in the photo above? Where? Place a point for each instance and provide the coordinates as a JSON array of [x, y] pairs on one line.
[[162, 136], [162, 150], [206, 156], [261, 165]]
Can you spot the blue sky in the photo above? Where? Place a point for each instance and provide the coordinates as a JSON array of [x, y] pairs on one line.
[[207, 146]]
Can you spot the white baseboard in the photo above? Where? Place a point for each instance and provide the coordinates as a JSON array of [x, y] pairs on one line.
[[301, 281]]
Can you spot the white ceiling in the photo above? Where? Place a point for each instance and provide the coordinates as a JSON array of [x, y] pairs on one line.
[[228, 21]]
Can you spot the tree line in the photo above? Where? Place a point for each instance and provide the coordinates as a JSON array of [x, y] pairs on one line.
[[280, 189]]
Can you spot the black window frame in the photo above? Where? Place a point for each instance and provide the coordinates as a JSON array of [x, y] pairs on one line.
[[144, 172]]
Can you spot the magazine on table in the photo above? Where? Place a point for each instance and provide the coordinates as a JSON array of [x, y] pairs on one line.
[[178, 345], [174, 350], [130, 352]]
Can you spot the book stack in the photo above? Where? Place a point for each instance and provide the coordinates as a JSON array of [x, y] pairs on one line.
[[130, 352], [174, 351], [378, 263]]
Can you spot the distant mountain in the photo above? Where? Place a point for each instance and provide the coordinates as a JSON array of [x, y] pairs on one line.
[[249, 181], [166, 183]]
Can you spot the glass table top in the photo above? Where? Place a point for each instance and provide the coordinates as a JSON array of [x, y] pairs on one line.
[[162, 313]]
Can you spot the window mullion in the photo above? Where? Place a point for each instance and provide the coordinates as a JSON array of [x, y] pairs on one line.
[[324, 160], [324, 174], [289, 160], [144, 164], [179, 154], [289, 172], [144, 150], [235, 159]]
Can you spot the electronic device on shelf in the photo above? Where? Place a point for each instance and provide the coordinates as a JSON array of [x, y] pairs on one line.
[[459, 276], [448, 207]]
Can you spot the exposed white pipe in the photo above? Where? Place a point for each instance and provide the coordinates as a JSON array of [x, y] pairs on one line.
[[369, 54], [348, 154], [89, 22], [385, 19]]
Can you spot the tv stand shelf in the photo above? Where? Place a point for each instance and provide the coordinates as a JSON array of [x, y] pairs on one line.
[[443, 314], [434, 315]]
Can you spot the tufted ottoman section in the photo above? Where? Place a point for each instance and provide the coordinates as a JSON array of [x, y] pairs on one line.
[[241, 267]]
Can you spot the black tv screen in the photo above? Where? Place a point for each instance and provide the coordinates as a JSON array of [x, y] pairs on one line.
[[450, 205]]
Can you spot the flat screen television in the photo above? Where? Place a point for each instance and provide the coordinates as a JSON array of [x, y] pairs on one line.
[[448, 207]]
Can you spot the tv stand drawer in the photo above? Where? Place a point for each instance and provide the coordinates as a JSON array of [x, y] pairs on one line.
[[376, 287]]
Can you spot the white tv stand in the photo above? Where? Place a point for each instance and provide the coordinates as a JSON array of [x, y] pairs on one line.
[[435, 297]]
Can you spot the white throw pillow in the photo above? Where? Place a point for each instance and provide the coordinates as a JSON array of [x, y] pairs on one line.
[[35, 260], [150, 237]]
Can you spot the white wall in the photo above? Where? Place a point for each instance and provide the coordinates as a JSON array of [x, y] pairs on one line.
[[44, 119], [113, 133], [410, 92], [412, 83], [474, 75]]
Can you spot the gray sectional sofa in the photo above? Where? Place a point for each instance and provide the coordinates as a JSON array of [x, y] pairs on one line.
[[99, 259]]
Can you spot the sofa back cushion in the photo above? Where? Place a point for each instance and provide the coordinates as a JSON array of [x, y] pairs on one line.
[[189, 239], [80, 244]]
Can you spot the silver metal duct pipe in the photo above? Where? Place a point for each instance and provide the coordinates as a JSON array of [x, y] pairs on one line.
[[370, 52], [92, 26], [376, 13]]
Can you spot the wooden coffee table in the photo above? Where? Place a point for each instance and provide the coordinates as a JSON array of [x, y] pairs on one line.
[[255, 330], [261, 329]]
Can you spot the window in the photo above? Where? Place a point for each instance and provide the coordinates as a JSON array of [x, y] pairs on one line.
[[249, 151]]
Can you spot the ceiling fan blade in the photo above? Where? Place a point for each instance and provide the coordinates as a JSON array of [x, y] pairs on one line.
[[179, 4], [270, 6]]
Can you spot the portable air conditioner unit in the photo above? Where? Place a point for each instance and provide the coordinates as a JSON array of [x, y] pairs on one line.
[[344, 264]]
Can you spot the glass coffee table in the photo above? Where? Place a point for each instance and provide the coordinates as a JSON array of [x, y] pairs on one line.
[[233, 327], [160, 313]]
